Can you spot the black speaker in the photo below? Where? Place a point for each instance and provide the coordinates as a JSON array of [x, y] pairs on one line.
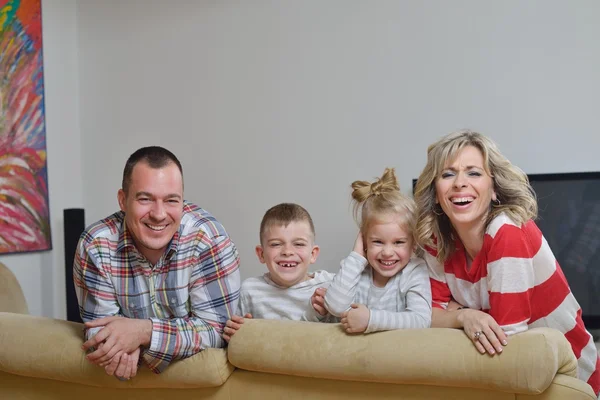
[[74, 223]]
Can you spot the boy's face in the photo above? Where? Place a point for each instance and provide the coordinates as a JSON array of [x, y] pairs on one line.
[[288, 251]]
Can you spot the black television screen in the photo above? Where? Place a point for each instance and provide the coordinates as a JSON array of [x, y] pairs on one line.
[[569, 217]]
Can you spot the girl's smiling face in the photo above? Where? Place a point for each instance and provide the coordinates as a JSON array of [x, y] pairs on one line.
[[389, 247]]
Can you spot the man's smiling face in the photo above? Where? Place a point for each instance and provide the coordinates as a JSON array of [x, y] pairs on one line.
[[153, 206]]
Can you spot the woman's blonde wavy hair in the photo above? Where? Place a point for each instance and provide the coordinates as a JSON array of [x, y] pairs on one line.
[[375, 200], [515, 196]]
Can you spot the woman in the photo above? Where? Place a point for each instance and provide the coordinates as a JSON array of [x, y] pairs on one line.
[[492, 272]]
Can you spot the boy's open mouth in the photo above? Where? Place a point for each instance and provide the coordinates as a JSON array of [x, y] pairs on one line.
[[288, 264]]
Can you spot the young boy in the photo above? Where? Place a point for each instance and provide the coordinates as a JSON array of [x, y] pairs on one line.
[[287, 247]]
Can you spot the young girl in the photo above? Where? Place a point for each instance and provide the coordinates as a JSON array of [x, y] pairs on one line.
[[381, 285]]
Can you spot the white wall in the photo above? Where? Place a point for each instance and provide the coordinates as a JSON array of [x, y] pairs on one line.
[[270, 101], [42, 274]]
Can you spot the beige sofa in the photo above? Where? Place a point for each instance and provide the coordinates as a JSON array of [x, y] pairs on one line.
[[40, 358]]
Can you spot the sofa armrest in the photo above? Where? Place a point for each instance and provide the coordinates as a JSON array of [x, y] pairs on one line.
[[51, 349], [12, 298], [444, 357]]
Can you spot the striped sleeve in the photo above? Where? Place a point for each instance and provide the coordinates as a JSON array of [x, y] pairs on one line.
[[440, 292], [214, 294], [510, 274], [244, 306], [312, 315], [417, 314], [342, 291]]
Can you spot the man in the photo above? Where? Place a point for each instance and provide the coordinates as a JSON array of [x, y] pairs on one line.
[[158, 280]]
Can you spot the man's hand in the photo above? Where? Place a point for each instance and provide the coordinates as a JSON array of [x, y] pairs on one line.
[[123, 365], [356, 319], [118, 335], [232, 326], [318, 301]]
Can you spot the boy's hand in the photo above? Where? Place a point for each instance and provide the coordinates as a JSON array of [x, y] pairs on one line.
[[356, 319], [359, 245], [318, 301], [233, 325]]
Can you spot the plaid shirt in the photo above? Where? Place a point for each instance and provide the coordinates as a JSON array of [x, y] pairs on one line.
[[188, 295]]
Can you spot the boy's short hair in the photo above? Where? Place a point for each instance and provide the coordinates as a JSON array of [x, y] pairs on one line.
[[283, 214]]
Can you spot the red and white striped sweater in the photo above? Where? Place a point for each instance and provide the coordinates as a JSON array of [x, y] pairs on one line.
[[516, 279]]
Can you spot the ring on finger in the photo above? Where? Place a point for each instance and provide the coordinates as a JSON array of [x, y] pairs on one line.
[[477, 335]]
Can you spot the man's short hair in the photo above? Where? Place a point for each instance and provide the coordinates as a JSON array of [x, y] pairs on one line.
[[283, 214], [155, 156]]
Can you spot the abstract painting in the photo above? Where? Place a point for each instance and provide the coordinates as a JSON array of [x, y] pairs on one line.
[[24, 211]]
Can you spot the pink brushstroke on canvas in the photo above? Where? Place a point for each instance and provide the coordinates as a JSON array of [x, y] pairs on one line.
[[24, 216]]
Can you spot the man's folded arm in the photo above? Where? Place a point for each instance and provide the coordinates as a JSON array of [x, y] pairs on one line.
[[95, 292], [213, 299]]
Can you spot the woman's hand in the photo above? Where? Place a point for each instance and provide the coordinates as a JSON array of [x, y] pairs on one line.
[[483, 330], [453, 305], [359, 246]]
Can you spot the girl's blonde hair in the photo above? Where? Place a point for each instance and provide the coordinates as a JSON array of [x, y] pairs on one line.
[[374, 200], [515, 197]]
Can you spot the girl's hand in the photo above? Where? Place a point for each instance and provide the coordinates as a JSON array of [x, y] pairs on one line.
[[359, 246], [356, 319], [483, 330]]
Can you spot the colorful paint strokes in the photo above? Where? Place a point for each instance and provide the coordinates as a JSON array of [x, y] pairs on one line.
[[24, 215]]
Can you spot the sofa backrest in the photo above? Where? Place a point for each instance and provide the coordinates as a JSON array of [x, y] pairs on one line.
[[11, 295], [444, 357]]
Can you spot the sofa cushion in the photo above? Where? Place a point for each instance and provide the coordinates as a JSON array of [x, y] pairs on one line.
[[444, 357], [51, 349], [11, 295]]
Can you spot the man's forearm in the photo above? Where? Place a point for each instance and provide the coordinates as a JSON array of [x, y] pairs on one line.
[[178, 338]]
